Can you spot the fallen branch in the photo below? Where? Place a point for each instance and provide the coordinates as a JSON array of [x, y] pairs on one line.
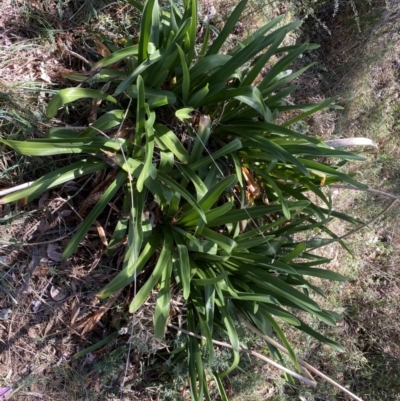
[[253, 353], [390, 206], [301, 362], [372, 191]]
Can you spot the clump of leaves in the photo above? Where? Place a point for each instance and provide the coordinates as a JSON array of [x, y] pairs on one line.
[[214, 189]]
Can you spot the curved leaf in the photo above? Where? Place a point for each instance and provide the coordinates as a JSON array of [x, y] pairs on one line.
[[163, 303], [94, 213], [163, 262], [55, 178], [131, 269], [117, 56], [65, 96]]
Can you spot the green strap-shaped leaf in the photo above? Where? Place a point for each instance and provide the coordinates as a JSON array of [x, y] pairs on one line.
[[206, 64], [169, 57], [199, 185], [278, 151], [209, 301], [202, 246], [259, 230], [185, 76], [308, 330], [155, 25], [282, 336], [170, 141], [55, 178], [96, 346], [295, 253], [281, 313], [267, 27], [190, 42], [196, 370], [131, 270], [167, 161], [145, 28], [214, 193], [149, 170], [276, 287], [251, 296], [250, 243], [116, 56], [228, 28], [65, 96], [201, 139], [205, 331], [318, 151], [155, 57], [270, 38], [150, 93], [232, 333], [138, 5], [276, 99], [204, 45], [105, 75], [236, 215], [211, 214], [262, 61], [281, 82], [163, 303], [135, 236], [184, 269], [259, 128], [322, 273], [60, 146], [281, 66], [249, 95], [59, 132], [225, 150], [108, 120], [122, 224], [329, 171], [171, 21], [342, 216], [313, 110], [270, 182], [212, 196], [198, 96], [284, 49], [210, 281], [94, 213], [140, 115], [277, 265], [283, 292], [184, 113], [224, 242], [182, 192], [236, 62], [164, 262]]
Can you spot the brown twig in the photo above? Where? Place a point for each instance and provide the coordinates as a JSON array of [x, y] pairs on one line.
[[372, 191], [250, 352], [301, 362], [371, 221]]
